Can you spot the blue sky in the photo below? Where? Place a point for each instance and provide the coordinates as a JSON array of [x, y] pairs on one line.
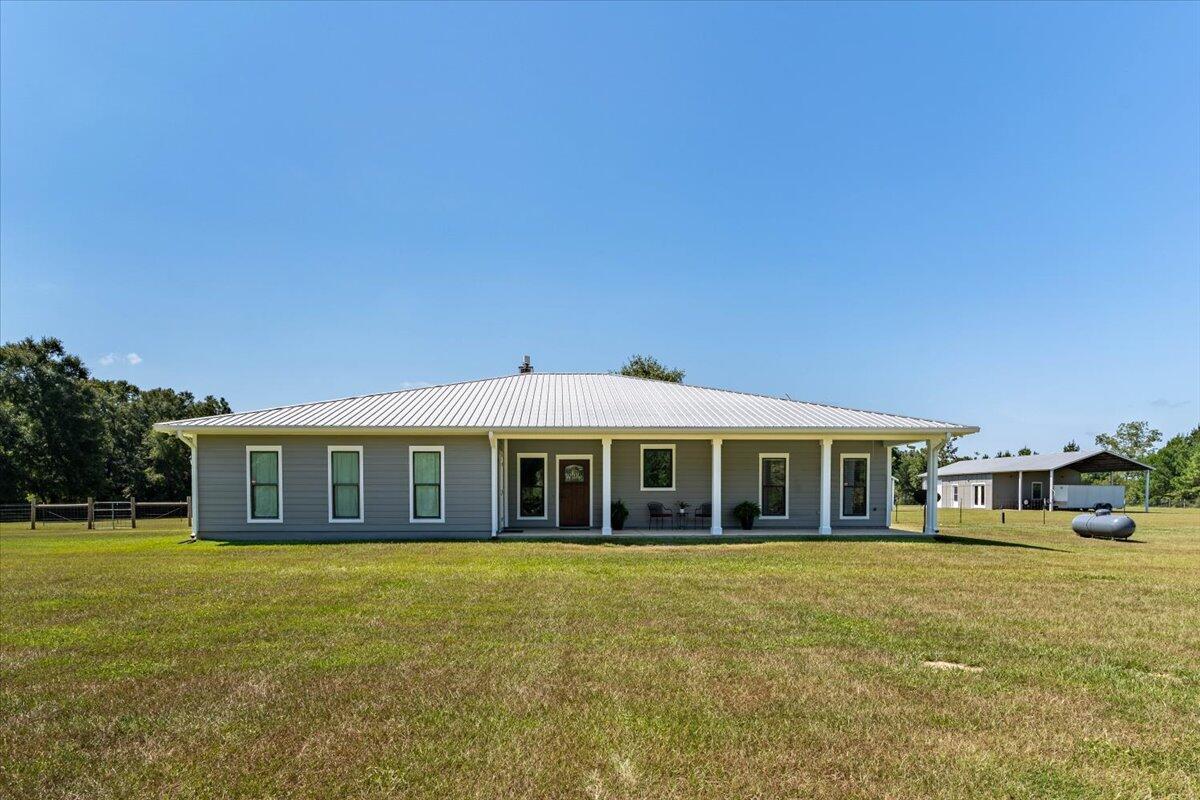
[[983, 213]]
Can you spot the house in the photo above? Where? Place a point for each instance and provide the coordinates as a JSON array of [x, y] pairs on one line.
[[535, 451], [1052, 480]]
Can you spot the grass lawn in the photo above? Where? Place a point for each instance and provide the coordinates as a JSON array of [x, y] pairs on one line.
[[135, 665]]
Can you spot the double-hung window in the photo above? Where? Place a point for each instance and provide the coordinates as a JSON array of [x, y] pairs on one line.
[[773, 485], [531, 483], [658, 467], [856, 485], [428, 470], [264, 483], [345, 483]]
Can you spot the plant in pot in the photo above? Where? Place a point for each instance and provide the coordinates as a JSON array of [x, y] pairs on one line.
[[746, 512], [619, 514]]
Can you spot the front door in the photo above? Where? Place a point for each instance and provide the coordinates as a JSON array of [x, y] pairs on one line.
[[574, 492]]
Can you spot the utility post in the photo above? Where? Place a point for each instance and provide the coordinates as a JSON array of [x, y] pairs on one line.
[[133, 512], [91, 514]]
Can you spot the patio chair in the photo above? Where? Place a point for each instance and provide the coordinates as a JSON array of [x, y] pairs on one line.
[[703, 512], [658, 512]]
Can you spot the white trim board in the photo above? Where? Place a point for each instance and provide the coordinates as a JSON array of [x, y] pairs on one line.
[[841, 485], [642, 467], [412, 495], [558, 485], [264, 448], [545, 486], [787, 484], [362, 480]]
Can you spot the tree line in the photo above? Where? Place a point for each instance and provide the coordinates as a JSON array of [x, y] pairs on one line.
[[66, 436]]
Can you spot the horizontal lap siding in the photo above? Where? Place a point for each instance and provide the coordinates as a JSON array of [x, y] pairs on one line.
[[222, 488], [552, 448], [740, 478], [877, 498], [693, 477]]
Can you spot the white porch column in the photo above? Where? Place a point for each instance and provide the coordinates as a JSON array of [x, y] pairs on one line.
[[826, 484], [606, 486], [1146, 495], [195, 445], [716, 487], [495, 482], [931, 482], [1050, 498], [1020, 489], [887, 514]]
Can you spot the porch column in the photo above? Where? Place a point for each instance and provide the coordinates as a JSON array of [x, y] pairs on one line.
[[1050, 498], [1146, 495], [887, 514], [716, 487], [931, 484], [826, 484], [195, 445], [606, 486], [1020, 489], [495, 483]]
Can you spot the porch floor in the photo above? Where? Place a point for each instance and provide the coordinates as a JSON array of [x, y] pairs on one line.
[[756, 534]]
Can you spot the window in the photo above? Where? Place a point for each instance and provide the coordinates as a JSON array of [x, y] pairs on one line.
[[980, 494], [954, 493], [856, 483], [1035, 490], [531, 483], [428, 470], [658, 467], [773, 485], [345, 483], [264, 484]]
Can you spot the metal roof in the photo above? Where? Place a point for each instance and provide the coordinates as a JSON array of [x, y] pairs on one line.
[[1090, 461], [566, 401]]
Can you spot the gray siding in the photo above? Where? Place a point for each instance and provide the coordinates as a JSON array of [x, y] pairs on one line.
[[876, 500], [693, 476], [552, 448], [740, 479], [222, 488]]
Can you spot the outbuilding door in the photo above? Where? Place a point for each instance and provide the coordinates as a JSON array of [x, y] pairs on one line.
[[574, 492]]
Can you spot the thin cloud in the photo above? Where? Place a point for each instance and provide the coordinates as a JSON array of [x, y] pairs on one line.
[[105, 360], [1163, 402], [133, 358]]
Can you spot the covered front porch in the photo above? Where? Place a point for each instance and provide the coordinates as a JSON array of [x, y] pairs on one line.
[[806, 485]]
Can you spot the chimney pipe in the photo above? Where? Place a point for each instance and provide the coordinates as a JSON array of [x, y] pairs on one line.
[[525, 367]]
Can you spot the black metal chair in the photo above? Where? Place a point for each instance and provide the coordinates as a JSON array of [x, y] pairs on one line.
[[658, 512], [703, 512]]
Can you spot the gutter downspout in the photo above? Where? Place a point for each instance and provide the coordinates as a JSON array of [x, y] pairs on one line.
[[191, 442]]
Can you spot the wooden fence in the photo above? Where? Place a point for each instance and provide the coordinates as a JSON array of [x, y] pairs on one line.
[[94, 513]]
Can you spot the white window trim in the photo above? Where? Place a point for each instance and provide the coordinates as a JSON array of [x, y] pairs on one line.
[[954, 494], [362, 480], [545, 485], [412, 494], [841, 485], [1041, 490], [558, 485], [642, 467], [787, 484], [975, 493], [264, 448]]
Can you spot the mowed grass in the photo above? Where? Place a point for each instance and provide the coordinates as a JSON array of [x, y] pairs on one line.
[[134, 665]]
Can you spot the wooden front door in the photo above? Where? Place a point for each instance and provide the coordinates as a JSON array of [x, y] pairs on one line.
[[574, 492]]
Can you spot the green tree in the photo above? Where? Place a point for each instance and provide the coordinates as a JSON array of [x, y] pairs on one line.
[[908, 464], [639, 366], [1134, 440], [1176, 476], [1025, 451], [50, 428], [1071, 447]]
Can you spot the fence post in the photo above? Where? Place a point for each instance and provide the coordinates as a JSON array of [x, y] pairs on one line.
[[189, 511], [133, 512], [33, 515], [91, 519]]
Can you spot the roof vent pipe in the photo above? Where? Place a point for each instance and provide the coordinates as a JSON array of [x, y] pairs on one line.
[[525, 367]]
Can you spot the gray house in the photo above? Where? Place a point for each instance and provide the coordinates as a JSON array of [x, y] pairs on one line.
[[1049, 480], [543, 451]]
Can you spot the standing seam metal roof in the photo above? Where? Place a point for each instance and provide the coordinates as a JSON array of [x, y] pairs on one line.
[[547, 400]]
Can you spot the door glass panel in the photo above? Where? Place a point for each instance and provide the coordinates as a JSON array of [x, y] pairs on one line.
[[573, 473]]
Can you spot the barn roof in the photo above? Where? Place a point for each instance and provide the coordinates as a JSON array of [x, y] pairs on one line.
[[567, 401], [1089, 461]]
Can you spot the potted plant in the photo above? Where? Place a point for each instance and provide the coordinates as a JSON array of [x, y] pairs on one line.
[[746, 512], [619, 514]]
